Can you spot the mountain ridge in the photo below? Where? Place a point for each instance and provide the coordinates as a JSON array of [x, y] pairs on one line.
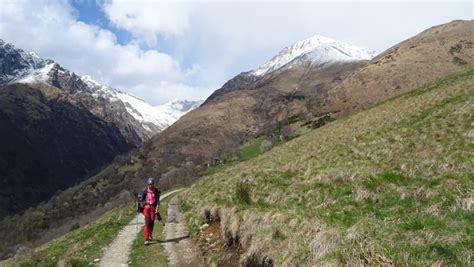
[[269, 107], [30, 68], [58, 128], [316, 51]]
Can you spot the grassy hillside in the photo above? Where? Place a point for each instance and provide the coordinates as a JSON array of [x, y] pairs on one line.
[[393, 184], [79, 247]]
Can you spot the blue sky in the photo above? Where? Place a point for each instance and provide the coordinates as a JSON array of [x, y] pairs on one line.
[[89, 11], [161, 50]]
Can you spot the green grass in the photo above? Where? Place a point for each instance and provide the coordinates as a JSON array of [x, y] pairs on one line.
[[81, 246], [245, 152], [386, 185], [248, 151], [154, 254]]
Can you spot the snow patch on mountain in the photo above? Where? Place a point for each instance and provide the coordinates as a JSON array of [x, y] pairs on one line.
[[177, 108], [144, 112], [317, 50], [160, 116], [17, 66], [33, 75]]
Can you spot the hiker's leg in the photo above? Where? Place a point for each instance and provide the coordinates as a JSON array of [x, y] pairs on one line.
[[146, 229], [152, 220]]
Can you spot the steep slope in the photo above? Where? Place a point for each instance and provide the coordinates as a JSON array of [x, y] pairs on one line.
[[230, 118], [48, 144], [419, 60], [256, 102], [318, 50], [152, 119], [392, 185], [58, 128], [181, 152], [145, 120], [315, 51]]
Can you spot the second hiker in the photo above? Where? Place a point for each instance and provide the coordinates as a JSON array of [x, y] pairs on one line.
[[151, 199]]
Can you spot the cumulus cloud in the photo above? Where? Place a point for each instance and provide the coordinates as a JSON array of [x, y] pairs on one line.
[[146, 19], [227, 37], [51, 29], [187, 49]]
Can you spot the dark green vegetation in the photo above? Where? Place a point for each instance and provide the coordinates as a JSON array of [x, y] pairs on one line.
[[48, 144], [85, 202], [245, 152], [81, 246], [389, 185]]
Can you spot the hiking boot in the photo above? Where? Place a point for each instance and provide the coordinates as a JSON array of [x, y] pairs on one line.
[[147, 243]]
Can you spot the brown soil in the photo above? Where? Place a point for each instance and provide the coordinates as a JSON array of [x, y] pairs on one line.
[[211, 244]]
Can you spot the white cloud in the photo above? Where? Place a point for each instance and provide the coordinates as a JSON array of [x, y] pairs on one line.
[[50, 29], [227, 37], [146, 19], [194, 47]]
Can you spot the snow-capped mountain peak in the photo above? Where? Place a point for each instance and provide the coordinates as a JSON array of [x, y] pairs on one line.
[[17, 66], [153, 118], [177, 108], [89, 81], [318, 50]]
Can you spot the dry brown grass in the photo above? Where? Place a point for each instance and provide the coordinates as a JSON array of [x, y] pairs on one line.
[[389, 185], [412, 63]]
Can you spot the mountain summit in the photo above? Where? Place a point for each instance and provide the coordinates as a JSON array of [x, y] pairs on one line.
[[21, 67], [318, 50]]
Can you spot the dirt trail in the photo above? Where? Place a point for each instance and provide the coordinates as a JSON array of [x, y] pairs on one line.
[[118, 251], [180, 249]]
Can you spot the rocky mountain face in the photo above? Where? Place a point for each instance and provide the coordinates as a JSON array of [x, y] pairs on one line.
[[49, 144], [139, 116], [58, 128]]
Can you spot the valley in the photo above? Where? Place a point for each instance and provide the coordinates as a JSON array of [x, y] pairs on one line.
[[327, 154]]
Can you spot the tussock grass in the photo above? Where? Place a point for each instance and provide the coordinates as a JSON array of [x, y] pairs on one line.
[[389, 185]]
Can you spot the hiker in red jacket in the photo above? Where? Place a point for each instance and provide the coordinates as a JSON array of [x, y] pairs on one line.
[[151, 199]]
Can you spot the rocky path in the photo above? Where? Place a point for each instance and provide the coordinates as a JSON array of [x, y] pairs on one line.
[[181, 251], [117, 252]]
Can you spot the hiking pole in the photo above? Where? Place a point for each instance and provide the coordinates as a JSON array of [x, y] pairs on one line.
[[158, 217], [139, 210]]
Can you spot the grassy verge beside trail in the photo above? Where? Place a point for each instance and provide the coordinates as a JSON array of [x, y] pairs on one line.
[[154, 254], [81, 246], [391, 185]]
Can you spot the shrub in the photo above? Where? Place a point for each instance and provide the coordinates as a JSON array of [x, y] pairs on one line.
[[75, 226], [242, 192], [265, 146]]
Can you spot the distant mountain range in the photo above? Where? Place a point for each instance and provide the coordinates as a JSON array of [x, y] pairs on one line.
[[21, 67], [57, 128]]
